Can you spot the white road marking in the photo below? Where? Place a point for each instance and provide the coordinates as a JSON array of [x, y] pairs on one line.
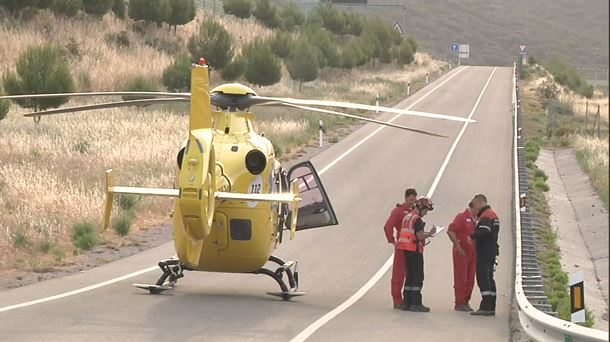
[[137, 273], [75, 292], [303, 335], [350, 150]]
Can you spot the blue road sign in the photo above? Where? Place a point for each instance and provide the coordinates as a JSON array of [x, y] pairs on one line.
[[455, 47]]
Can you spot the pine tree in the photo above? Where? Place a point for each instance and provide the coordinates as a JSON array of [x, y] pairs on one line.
[[67, 7], [303, 63], [97, 7], [119, 8], [234, 69], [156, 11], [405, 53], [281, 44], [214, 43], [262, 66], [292, 16], [4, 106], [40, 70], [239, 8], [266, 14], [183, 12]]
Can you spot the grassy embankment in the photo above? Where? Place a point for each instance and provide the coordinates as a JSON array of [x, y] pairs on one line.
[[51, 174], [593, 153]]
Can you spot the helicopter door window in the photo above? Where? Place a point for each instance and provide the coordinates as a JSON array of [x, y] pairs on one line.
[[315, 209], [241, 230]]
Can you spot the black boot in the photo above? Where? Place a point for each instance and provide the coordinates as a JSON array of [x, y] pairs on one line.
[[485, 309], [407, 294], [416, 304]]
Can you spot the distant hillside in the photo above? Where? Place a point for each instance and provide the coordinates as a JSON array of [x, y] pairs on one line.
[[575, 30]]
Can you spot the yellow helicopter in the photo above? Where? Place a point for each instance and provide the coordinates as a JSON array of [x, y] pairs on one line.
[[233, 197]]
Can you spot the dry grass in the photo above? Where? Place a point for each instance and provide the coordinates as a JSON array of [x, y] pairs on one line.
[[52, 173]]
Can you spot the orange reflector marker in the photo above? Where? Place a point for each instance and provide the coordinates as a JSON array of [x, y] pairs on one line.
[[577, 297]]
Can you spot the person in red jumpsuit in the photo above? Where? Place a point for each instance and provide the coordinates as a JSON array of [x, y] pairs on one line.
[[392, 229], [464, 257]]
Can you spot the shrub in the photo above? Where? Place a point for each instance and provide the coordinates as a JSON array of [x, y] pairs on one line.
[[67, 7], [40, 70], [234, 69], [97, 7], [239, 8], [128, 202], [541, 184], [212, 42], [46, 246], [4, 106], [413, 44], [140, 84], [82, 146], [177, 76], [262, 66], [122, 224], [20, 238], [18, 5], [85, 236]]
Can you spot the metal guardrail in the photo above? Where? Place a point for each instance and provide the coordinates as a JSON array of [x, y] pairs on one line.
[[535, 313]]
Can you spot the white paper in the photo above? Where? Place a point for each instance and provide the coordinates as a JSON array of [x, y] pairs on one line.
[[438, 230]]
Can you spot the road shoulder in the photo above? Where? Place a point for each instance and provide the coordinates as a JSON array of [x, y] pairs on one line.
[[574, 203]]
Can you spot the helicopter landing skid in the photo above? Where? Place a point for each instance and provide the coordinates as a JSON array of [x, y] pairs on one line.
[[172, 269], [289, 268]]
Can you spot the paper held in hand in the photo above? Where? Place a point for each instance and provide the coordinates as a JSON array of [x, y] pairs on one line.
[[438, 230]]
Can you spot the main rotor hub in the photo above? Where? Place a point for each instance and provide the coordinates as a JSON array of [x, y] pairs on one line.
[[232, 96]]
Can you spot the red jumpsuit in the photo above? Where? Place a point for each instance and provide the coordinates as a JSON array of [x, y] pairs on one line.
[[392, 229], [464, 267]]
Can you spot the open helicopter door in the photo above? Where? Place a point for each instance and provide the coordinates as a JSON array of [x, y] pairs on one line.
[[315, 209]]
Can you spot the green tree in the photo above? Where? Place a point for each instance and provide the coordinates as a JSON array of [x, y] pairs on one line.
[[379, 36], [266, 14], [281, 44], [156, 11], [354, 24], [177, 76], [303, 63], [325, 43], [183, 12], [292, 16], [212, 42], [239, 8], [262, 67], [97, 7], [119, 8], [234, 69], [404, 53], [67, 7], [40, 70], [332, 19], [45, 4], [18, 5], [413, 44]]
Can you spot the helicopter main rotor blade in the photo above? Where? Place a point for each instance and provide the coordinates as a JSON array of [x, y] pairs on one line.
[[259, 100], [332, 112], [143, 102], [99, 93]]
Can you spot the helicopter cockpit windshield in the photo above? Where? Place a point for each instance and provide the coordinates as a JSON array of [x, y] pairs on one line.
[[315, 209]]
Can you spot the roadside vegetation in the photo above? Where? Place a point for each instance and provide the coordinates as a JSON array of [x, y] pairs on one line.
[[553, 118], [51, 173]]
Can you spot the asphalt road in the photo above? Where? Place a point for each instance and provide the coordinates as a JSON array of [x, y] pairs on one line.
[[334, 263]]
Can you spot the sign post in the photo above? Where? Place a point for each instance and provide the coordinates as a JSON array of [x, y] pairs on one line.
[[523, 53], [577, 297]]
